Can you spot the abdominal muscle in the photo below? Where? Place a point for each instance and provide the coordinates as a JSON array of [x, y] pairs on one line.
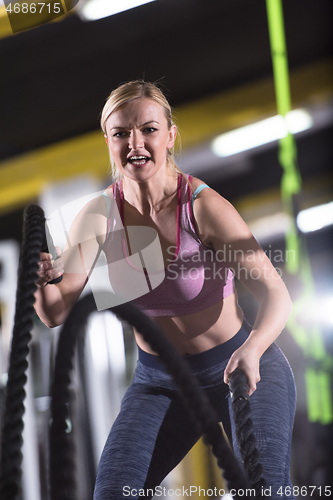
[[200, 331]]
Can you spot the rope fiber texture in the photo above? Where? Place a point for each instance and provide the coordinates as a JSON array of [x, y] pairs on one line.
[[12, 428], [244, 431]]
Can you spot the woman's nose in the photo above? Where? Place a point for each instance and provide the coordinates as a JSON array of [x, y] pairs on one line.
[[135, 140]]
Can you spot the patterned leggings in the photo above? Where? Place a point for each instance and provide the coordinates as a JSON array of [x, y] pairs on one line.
[[153, 431]]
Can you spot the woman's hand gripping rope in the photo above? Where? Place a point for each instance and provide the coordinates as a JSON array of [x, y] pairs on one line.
[[246, 359], [239, 392], [50, 265]]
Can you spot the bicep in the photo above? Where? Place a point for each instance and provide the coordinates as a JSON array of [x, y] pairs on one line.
[[224, 230], [251, 266]]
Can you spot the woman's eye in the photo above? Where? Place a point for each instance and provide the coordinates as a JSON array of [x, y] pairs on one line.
[[120, 134], [149, 130]]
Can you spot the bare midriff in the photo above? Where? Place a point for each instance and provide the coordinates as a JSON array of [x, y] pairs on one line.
[[200, 331]]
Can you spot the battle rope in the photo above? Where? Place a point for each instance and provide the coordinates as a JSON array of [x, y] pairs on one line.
[[61, 446], [244, 431], [11, 439]]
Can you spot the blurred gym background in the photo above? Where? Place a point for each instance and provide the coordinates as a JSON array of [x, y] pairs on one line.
[[213, 60]]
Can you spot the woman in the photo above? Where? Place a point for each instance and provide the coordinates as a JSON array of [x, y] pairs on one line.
[[202, 238]]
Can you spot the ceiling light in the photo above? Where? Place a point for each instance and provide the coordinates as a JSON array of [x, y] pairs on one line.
[[318, 310], [270, 227], [98, 9], [314, 218], [262, 132]]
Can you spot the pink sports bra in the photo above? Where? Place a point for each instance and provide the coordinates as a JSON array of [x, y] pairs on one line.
[[195, 279]]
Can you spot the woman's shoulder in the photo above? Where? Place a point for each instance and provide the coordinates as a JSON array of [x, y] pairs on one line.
[[215, 214], [99, 204], [90, 221], [110, 189], [209, 197], [195, 183], [95, 206]]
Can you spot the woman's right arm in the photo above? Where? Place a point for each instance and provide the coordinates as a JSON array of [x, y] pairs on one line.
[[53, 302]]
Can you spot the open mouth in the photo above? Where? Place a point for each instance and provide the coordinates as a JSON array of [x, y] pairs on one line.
[[138, 160]]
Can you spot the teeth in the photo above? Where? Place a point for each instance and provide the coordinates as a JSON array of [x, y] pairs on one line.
[[138, 158]]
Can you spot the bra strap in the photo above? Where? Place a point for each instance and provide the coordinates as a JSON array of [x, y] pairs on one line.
[[196, 192], [108, 204]]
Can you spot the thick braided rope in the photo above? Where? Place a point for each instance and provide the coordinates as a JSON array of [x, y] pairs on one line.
[[62, 451], [244, 432], [11, 439], [62, 466]]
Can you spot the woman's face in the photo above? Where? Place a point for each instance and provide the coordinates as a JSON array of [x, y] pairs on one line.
[[138, 138]]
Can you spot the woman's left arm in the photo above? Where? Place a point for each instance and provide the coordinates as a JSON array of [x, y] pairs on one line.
[[221, 227]]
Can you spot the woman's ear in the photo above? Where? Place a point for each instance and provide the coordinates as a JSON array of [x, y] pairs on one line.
[[106, 139], [172, 136]]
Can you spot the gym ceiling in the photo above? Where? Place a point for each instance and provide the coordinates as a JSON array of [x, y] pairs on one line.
[[212, 58]]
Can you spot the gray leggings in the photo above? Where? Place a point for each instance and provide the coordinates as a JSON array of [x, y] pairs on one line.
[[153, 431]]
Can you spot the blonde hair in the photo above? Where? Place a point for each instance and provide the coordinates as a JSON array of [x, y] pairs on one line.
[[128, 92]]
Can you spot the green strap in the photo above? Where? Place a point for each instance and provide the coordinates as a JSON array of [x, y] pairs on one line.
[[320, 364]]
